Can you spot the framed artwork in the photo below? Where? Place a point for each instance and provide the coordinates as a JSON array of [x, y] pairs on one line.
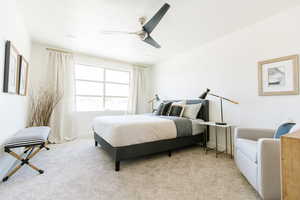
[[11, 69], [279, 76], [2, 56], [23, 76]]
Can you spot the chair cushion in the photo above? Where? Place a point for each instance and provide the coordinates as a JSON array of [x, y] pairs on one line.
[[248, 148], [29, 136]]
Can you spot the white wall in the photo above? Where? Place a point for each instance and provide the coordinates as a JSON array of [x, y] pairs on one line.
[[82, 120], [13, 108], [39, 61], [228, 66]]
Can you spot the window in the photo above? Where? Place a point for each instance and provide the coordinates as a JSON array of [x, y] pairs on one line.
[[98, 88]]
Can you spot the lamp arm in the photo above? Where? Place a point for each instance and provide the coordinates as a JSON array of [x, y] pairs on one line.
[[151, 100], [235, 102]]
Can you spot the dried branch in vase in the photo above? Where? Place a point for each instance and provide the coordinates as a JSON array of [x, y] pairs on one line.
[[42, 106]]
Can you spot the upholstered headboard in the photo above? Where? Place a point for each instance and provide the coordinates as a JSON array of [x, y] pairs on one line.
[[204, 111]]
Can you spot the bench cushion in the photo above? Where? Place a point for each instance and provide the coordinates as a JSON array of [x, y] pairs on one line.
[[28, 137]]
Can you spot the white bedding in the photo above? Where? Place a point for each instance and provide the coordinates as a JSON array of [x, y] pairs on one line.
[[136, 129]]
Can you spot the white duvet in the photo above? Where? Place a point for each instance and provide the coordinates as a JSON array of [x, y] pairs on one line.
[[135, 129]]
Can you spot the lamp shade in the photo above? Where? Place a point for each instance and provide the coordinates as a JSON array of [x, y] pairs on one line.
[[204, 94]]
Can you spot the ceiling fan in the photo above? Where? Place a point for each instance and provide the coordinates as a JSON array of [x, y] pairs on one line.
[[147, 28]]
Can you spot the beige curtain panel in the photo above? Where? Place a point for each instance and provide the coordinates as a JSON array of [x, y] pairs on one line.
[[60, 75], [139, 96]]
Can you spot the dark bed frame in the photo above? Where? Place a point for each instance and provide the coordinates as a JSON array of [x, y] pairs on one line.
[[119, 154]]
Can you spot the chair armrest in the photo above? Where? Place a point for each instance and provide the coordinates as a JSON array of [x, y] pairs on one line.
[[268, 162], [253, 133]]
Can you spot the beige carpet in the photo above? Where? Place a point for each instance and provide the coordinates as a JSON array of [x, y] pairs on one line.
[[78, 170]]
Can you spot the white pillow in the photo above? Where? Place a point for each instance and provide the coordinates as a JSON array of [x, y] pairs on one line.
[[191, 110], [295, 128]]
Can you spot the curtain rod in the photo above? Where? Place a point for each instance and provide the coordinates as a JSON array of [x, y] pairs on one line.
[[140, 66], [58, 50], [69, 52]]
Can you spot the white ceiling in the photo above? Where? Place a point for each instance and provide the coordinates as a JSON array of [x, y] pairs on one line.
[[188, 23]]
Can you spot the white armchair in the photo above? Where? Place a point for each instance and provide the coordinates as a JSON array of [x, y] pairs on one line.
[[257, 155]]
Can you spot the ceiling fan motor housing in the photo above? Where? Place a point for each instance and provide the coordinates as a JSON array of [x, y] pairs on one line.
[[142, 20], [142, 34]]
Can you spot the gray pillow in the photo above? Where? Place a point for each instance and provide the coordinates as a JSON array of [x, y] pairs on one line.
[[191, 110]]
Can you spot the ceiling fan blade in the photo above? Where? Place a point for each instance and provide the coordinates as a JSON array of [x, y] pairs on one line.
[[151, 41], [116, 32], [152, 23]]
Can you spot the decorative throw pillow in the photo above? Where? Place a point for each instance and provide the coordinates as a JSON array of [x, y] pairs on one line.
[[176, 110], [165, 109], [176, 103], [191, 110], [283, 129]]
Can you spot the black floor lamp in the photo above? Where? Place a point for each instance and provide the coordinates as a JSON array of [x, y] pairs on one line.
[[207, 92]]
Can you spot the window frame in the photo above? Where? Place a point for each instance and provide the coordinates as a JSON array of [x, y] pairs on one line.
[[104, 82]]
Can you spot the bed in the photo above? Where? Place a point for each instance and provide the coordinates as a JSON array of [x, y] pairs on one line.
[[130, 136]]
